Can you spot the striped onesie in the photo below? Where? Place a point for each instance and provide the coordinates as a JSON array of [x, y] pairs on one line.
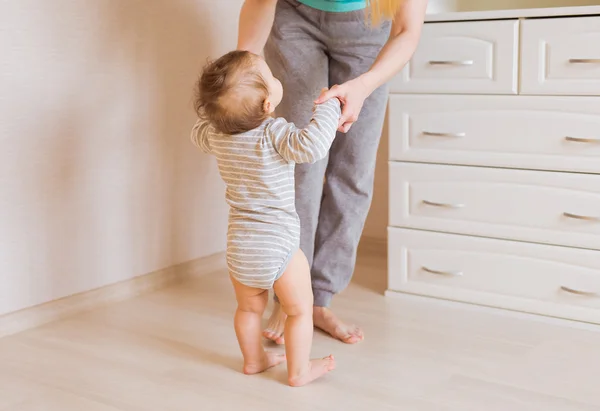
[[258, 170]]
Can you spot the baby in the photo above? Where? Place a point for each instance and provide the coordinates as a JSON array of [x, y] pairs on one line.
[[256, 154]]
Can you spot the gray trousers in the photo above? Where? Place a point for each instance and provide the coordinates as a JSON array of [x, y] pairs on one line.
[[308, 50]]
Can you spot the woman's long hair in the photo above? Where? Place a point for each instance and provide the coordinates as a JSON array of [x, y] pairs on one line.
[[379, 10]]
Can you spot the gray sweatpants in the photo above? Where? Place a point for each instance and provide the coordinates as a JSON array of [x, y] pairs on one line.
[[308, 50]]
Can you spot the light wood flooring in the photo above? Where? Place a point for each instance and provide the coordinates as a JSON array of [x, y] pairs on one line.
[[176, 350]]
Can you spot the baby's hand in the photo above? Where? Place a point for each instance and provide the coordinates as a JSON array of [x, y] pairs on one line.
[[324, 90], [352, 95]]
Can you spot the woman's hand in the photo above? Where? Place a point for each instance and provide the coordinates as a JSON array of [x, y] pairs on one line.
[[404, 36], [352, 95]]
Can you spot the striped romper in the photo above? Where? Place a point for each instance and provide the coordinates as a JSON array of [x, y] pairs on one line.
[[258, 170]]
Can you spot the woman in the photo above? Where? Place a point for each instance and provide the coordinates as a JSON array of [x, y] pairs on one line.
[[354, 47]]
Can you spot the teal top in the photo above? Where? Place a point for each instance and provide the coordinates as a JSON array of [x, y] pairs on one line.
[[336, 6]]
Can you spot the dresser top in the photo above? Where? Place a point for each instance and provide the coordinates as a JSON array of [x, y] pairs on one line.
[[514, 14]]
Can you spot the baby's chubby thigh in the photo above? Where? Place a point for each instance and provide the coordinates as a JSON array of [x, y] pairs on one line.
[[294, 288]]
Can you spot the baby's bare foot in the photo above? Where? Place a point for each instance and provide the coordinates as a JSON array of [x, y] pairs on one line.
[[317, 368], [269, 360], [325, 320], [274, 330]]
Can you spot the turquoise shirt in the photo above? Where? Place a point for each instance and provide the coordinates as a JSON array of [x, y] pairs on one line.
[[336, 5]]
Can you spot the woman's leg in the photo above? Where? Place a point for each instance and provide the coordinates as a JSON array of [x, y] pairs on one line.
[[295, 294], [350, 172], [295, 53], [247, 322]]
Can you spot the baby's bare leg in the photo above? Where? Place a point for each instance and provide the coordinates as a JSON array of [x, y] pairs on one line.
[[295, 295], [247, 321]]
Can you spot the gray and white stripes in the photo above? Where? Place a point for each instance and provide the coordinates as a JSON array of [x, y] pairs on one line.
[[258, 170]]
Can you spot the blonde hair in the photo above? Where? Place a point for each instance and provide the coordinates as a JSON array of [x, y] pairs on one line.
[[379, 10]]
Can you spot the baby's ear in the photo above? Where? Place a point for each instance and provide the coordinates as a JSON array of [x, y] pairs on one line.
[[268, 107]]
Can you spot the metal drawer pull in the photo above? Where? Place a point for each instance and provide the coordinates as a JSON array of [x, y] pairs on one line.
[[437, 272], [434, 134], [578, 292], [583, 140], [584, 61], [443, 205], [451, 62], [582, 217]]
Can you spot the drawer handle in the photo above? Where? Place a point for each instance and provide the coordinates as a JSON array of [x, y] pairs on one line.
[[451, 62], [434, 134], [437, 272], [443, 205], [584, 61], [583, 140], [582, 217], [579, 292]]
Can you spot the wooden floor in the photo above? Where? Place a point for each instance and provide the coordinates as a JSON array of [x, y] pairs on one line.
[[176, 350]]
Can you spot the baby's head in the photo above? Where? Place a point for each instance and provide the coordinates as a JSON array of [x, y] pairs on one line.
[[237, 92]]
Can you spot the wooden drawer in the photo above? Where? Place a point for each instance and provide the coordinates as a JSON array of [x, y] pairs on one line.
[[542, 207], [556, 281], [561, 56], [545, 133], [465, 57]]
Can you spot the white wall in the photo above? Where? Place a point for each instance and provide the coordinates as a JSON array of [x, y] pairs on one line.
[[98, 180], [378, 216]]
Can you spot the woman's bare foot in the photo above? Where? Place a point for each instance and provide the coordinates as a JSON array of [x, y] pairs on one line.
[[269, 360], [325, 320], [274, 330], [317, 368]]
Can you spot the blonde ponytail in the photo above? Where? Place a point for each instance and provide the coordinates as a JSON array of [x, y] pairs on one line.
[[379, 10]]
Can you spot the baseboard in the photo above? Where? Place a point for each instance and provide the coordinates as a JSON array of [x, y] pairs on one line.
[[28, 318], [373, 245]]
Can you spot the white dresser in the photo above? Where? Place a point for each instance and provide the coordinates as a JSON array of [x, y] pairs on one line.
[[494, 173]]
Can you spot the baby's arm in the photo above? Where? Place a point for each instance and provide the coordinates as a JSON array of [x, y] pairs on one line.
[[200, 133], [309, 144]]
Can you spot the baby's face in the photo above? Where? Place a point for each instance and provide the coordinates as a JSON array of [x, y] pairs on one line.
[[275, 87]]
